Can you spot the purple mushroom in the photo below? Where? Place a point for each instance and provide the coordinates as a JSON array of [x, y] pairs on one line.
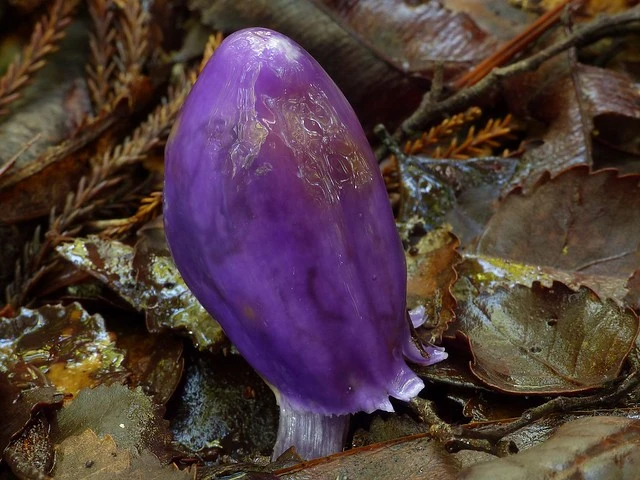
[[278, 219]]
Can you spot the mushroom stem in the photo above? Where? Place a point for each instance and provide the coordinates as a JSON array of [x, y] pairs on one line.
[[312, 434]]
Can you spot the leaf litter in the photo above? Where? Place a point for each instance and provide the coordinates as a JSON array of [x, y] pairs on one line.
[[527, 269]]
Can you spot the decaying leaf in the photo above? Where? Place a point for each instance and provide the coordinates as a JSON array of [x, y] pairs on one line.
[[70, 347], [86, 456], [486, 274], [592, 447], [20, 404], [161, 292], [540, 340], [223, 404], [461, 193], [431, 274], [587, 224], [416, 35], [129, 416], [568, 98], [32, 451]]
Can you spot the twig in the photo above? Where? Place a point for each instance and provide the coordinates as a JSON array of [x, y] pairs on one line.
[[610, 25], [512, 47], [559, 404], [47, 33]]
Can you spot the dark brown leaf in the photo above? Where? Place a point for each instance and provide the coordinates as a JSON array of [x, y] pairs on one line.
[[414, 36], [32, 450], [542, 341], [587, 224], [155, 362], [576, 104], [19, 404]]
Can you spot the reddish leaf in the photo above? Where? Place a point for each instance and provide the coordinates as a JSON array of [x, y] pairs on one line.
[[542, 341], [155, 362], [413, 459], [431, 274], [568, 97], [414, 36]]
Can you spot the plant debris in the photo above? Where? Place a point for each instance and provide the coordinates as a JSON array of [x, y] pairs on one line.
[[512, 168]]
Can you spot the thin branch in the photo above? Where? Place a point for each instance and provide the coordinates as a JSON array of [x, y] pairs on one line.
[[512, 47], [609, 25], [494, 434], [46, 35]]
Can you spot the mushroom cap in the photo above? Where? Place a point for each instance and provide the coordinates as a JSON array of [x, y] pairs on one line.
[[278, 219]]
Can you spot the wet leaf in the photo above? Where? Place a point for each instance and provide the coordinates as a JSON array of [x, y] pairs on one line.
[[32, 450], [20, 404], [431, 274], [461, 193], [224, 404], [129, 416], [575, 103], [587, 224], [486, 274], [86, 456], [70, 347], [546, 341], [594, 447], [537, 432], [160, 291], [616, 119], [413, 459]]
